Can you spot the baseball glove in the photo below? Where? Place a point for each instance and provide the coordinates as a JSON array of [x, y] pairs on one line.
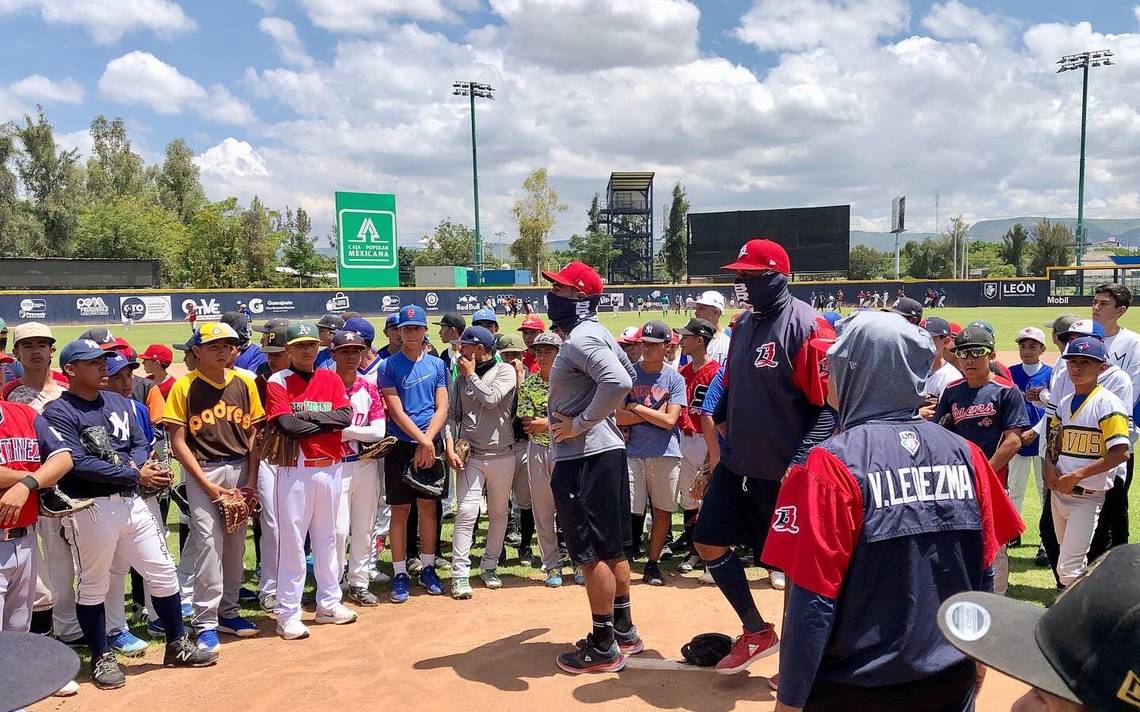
[[56, 505], [178, 496], [275, 447], [237, 506], [1053, 437], [376, 450], [700, 483], [463, 450], [706, 649], [97, 442], [160, 457], [430, 482]]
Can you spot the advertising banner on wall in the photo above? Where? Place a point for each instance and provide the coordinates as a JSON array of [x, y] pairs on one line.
[[146, 307], [366, 245]]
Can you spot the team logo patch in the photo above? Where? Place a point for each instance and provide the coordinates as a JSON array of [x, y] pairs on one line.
[[1130, 690], [785, 520], [766, 356], [909, 441]]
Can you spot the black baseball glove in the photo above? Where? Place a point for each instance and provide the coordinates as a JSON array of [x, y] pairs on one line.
[[56, 505], [431, 481], [706, 649], [97, 442]]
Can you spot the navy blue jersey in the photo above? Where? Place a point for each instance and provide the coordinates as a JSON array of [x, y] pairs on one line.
[[250, 357], [69, 415], [983, 414]]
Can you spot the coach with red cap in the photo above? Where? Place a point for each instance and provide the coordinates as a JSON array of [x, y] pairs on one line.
[[589, 380], [775, 383]]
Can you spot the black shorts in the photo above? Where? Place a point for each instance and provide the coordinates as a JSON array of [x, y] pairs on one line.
[[736, 511], [951, 690], [591, 502], [396, 491]]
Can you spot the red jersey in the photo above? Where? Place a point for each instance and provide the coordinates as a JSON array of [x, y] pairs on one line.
[[288, 393], [696, 385], [26, 440], [165, 386], [530, 362]]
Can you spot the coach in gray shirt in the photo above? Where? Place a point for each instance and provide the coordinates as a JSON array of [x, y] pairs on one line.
[[589, 380]]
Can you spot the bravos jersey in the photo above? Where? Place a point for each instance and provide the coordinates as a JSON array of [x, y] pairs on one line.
[[889, 519]]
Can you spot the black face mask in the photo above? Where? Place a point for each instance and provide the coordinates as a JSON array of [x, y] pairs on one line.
[[765, 293], [566, 313]]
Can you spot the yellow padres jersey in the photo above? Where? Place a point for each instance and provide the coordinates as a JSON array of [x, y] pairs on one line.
[[1099, 424]]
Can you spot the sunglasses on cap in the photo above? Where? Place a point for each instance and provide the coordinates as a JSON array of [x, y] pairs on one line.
[[973, 352]]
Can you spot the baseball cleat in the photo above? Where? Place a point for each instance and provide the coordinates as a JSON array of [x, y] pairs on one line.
[[588, 658], [208, 641], [554, 578], [237, 626], [777, 580], [653, 575], [579, 576], [339, 615], [707, 578], [69, 690], [526, 557], [268, 602], [401, 588], [105, 672], [247, 594], [748, 648], [430, 580], [125, 644], [361, 596], [183, 653], [292, 630], [155, 630], [378, 576], [491, 579], [691, 562], [461, 588], [414, 566]]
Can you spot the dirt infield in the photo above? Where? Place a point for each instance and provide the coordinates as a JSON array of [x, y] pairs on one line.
[[495, 652]]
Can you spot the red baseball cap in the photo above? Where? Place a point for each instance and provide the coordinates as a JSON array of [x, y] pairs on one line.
[[159, 353], [629, 335], [534, 321], [762, 254], [579, 275], [121, 345], [955, 328]]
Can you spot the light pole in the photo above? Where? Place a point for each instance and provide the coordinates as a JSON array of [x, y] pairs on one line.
[[1083, 61], [483, 91]]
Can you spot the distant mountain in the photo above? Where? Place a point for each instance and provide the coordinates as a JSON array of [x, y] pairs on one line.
[[1125, 230]]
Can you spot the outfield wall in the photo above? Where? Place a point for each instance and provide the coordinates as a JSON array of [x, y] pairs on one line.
[[99, 307]]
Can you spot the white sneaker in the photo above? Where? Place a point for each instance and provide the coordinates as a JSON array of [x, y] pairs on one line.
[[292, 630], [707, 579], [68, 690], [337, 616], [778, 580]]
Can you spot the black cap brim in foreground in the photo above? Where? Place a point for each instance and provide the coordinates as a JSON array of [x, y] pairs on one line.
[[1000, 633], [35, 667]]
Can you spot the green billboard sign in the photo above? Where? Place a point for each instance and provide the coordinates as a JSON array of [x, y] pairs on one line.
[[366, 224]]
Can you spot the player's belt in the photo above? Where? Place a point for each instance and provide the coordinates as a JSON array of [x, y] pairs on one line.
[[319, 462], [14, 533], [350, 458], [1077, 489]]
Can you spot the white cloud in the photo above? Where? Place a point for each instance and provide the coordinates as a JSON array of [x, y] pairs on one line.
[[289, 45], [371, 16], [141, 78], [953, 20], [108, 20], [855, 24], [232, 159], [39, 88], [573, 35]]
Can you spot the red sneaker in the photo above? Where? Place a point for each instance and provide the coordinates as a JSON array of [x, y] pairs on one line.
[[749, 648]]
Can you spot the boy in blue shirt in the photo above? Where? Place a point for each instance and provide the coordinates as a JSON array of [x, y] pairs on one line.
[[1031, 377]]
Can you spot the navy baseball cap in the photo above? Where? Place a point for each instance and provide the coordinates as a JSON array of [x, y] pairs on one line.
[[480, 335], [99, 335], [392, 321], [484, 314], [656, 332], [270, 325], [347, 337], [412, 315], [240, 324], [117, 362], [937, 326], [331, 321], [697, 327], [82, 350], [1087, 346], [361, 326]]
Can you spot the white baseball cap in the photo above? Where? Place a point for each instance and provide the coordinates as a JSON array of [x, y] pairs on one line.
[[1031, 332], [712, 298]]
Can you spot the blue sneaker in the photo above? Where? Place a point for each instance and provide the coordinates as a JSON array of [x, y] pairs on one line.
[[208, 641], [187, 611], [155, 630], [401, 587], [123, 643], [309, 564], [237, 626], [430, 581]]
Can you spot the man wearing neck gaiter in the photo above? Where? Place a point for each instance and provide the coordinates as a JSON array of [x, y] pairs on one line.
[[589, 380], [772, 412]]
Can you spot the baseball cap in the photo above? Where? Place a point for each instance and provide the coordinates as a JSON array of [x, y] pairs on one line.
[[270, 325], [697, 327], [185, 346], [955, 328], [480, 335], [1088, 346], [117, 362], [656, 332], [300, 332], [509, 341], [453, 320], [761, 254], [937, 326], [484, 314], [983, 324], [392, 321], [547, 338], [31, 330], [412, 315], [331, 321], [240, 324], [1084, 327], [347, 337], [160, 353], [276, 340], [360, 326], [1082, 648], [629, 335], [1030, 332], [82, 350], [973, 336], [99, 335], [214, 331], [712, 298], [579, 275], [909, 308], [533, 322], [1061, 323]]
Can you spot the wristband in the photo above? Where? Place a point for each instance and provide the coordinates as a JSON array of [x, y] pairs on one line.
[[30, 483]]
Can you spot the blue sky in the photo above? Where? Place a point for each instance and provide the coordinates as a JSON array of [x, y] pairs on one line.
[[750, 103]]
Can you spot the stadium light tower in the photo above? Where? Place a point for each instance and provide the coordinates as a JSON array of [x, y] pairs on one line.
[[482, 91], [1082, 61]]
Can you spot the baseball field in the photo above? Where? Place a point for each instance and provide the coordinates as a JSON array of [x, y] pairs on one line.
[[496, 651]]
